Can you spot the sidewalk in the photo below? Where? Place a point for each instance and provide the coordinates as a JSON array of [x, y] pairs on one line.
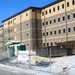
[[21, 70]]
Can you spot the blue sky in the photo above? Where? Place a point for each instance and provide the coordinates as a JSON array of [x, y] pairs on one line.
[[11, 7]]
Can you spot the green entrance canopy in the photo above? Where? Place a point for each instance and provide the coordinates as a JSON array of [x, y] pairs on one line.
[[12, 42]]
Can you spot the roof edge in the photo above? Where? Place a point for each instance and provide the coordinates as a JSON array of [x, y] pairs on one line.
[[21, 12], [50, 4]]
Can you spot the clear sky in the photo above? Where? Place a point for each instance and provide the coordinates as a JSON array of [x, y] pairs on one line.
[[11, 7]]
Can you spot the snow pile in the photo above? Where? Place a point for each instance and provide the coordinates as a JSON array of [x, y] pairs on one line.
[[43, 66]]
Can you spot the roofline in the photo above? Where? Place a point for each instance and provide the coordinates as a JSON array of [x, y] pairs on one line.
[[55, 2], [1, 25], [21, 12]]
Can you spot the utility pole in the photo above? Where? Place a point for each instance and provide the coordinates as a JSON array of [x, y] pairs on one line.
[[66, 22], [50, 59]]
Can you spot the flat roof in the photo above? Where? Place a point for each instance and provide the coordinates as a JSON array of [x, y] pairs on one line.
[[50, 4], [31, 7]]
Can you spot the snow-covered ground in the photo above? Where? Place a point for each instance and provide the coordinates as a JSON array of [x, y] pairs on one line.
[[43, 66]]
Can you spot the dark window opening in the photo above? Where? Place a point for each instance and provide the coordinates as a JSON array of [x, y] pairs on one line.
[[49, 10], [55, 32], [26, 14], [47, 33], [58, 8], [33, 10], [68, 16], [53, 9], [59, 31], [73, 2], [74, 28], [51, 44], [50, 21], [74, 15], [64, 31], [27, 44], [43, 34], [42, 13], [26, 24], [50, 32], [46, 12], [43, 23], [62, 6], [27, 34], [58, 19], [63, 18], [47, 44], [69, 29], [46, 22], [43, 44], [67, 4], [54, 20]]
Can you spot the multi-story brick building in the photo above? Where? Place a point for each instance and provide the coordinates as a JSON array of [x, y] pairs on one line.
[[37, 27]]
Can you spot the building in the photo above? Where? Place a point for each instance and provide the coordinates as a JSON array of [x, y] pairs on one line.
[[58, 22], [25, 27], [1, 37], [45, 26]]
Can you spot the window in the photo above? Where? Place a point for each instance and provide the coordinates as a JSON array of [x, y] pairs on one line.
[[49, 10], [46, 12], [26, 24], [14, 21], [33, 10], [47, 44], [62, 6], [74, 15], [15, 29], [8, 38], [63, 18], [55, 32], [54, 20], [5, 31], [68, 16], [8, 22], [43, 34], [58, 19], [5, 23], [15, 38], [27, 34], [27, 44], [73, 2], [11, 21], [51, 44], [47, 33], [53, 9], [42, 13], [46, 22], [59, 31], [50, 32], [50, 21], [43, 44], [64, 31], [74, 28], [69, 29], [58, 8], [43, 23], [67, 4], [26, 14]]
